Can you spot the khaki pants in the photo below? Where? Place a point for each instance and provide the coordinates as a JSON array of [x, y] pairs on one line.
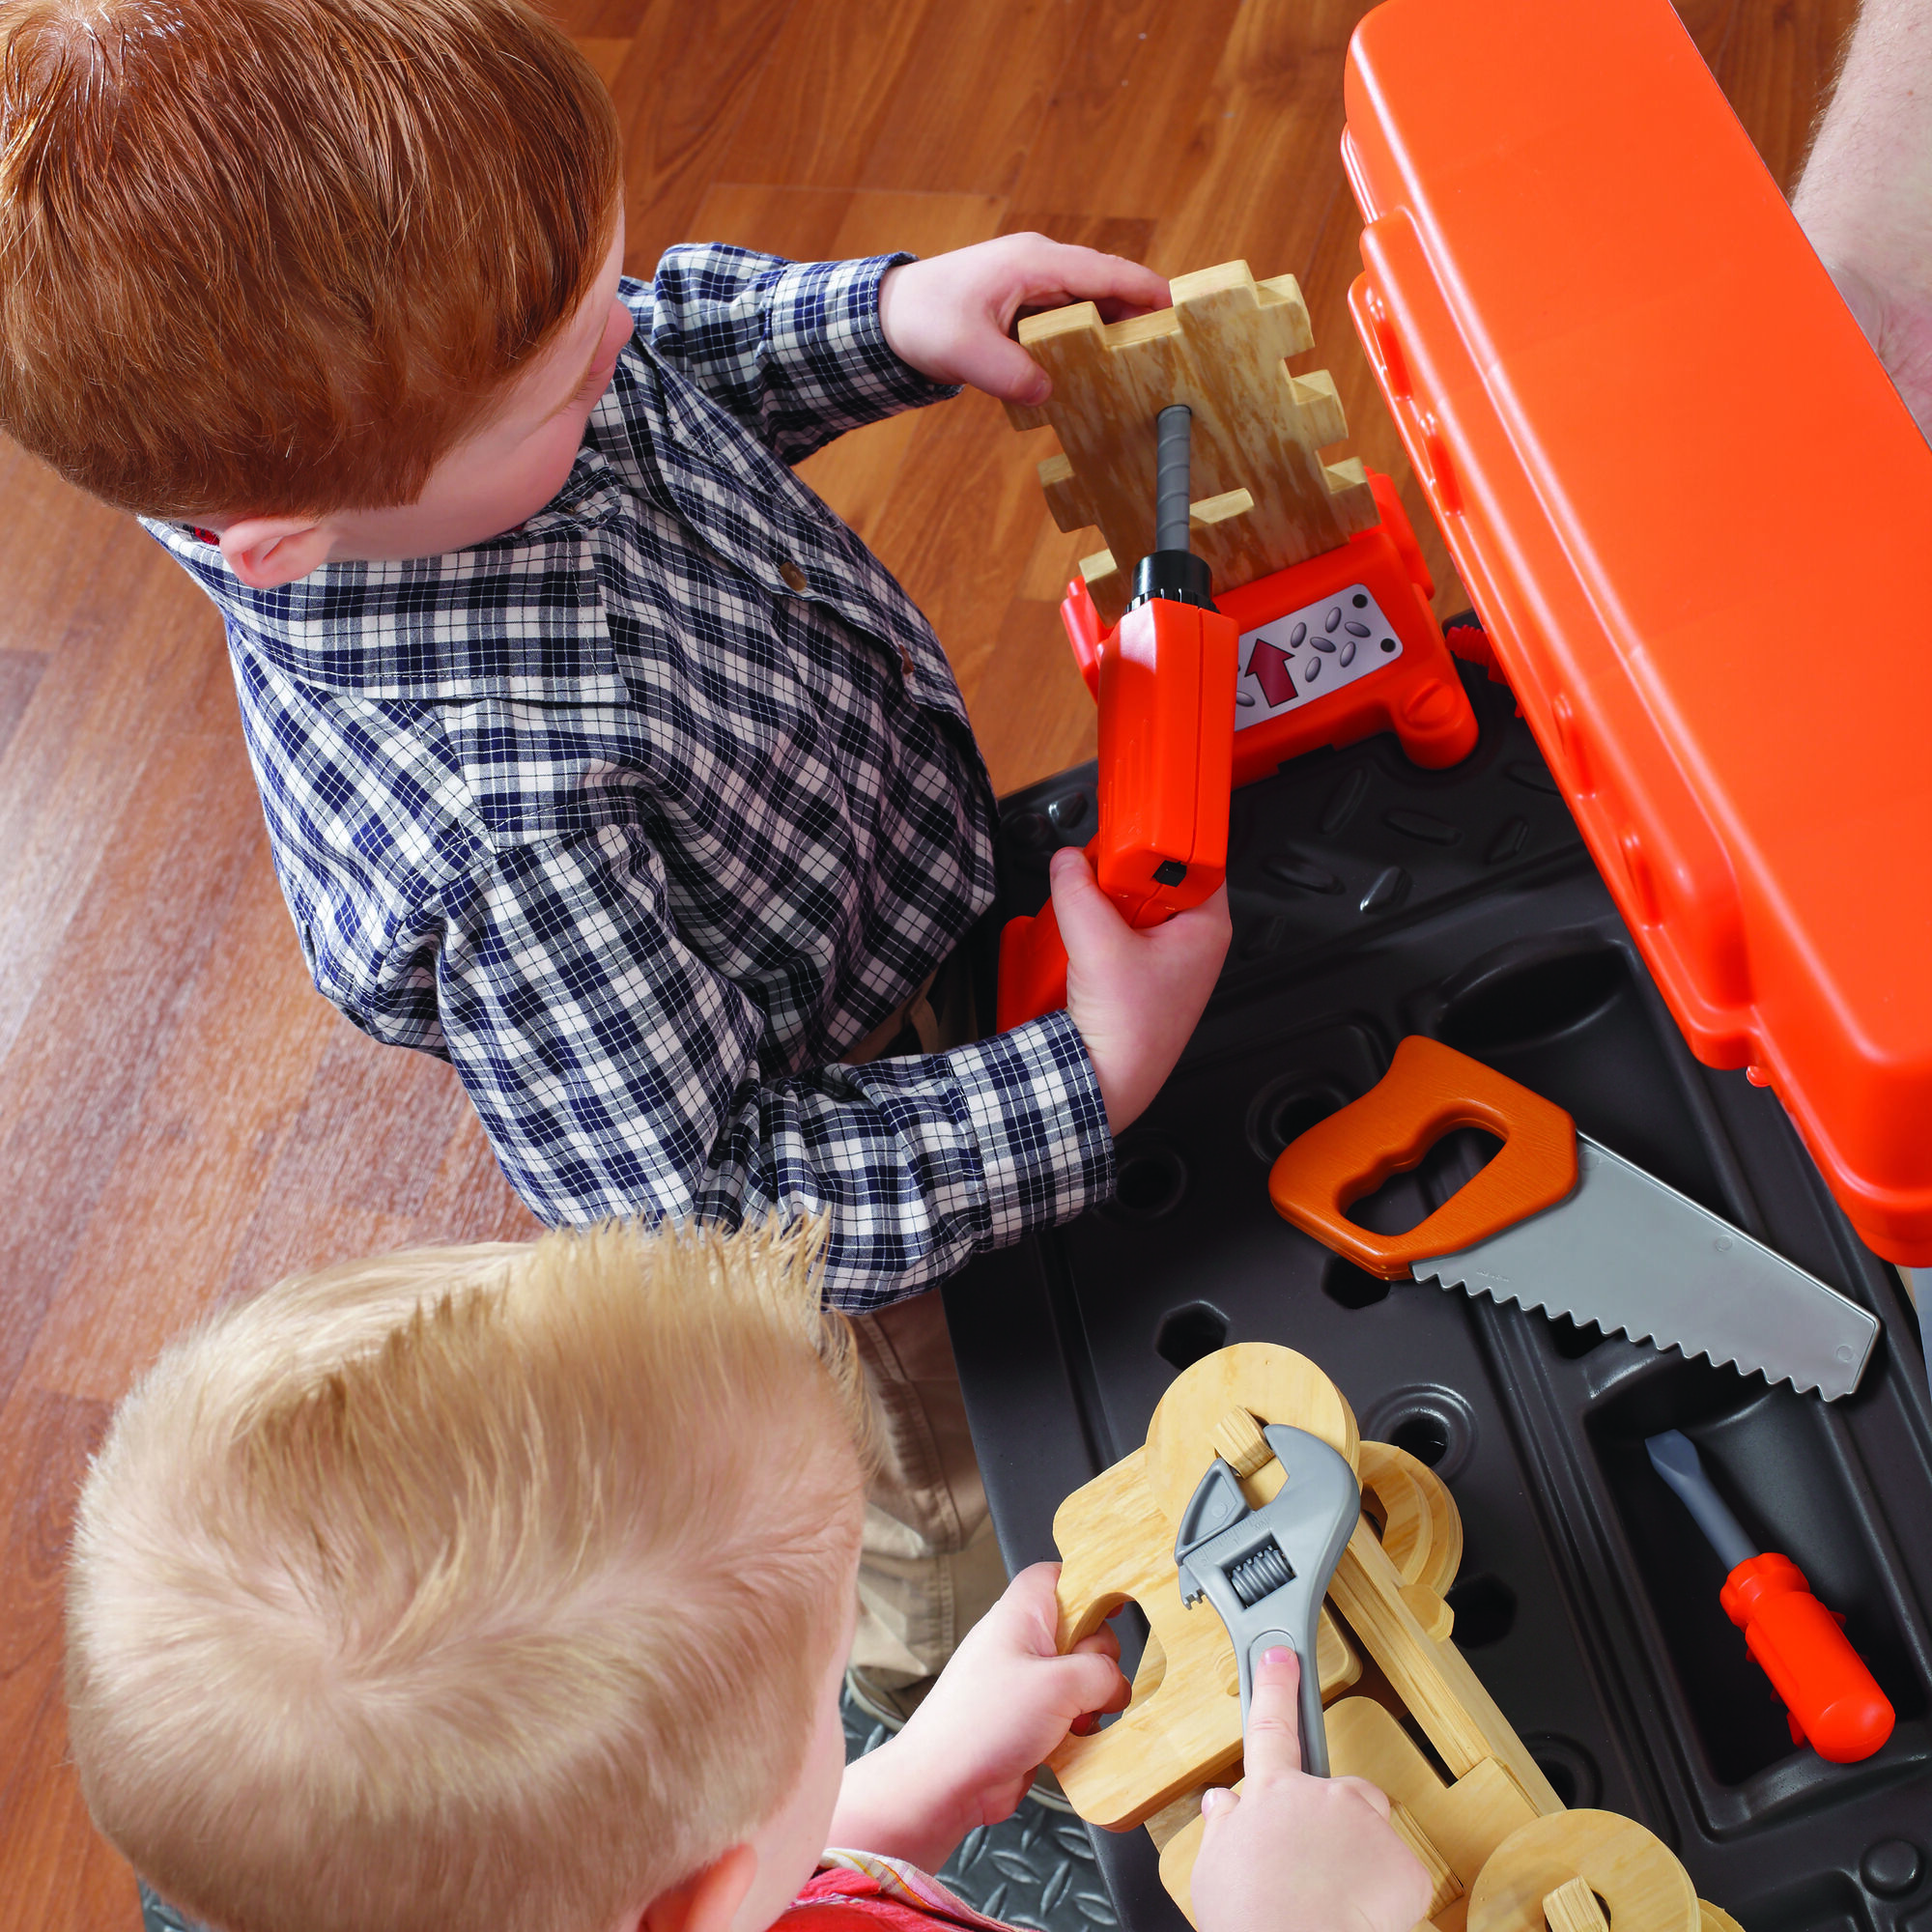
[[928, 1566]]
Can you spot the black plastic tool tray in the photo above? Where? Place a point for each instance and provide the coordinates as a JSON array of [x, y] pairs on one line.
[[1373, 899]]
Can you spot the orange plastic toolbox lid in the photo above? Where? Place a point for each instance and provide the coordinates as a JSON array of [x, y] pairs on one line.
[[1697, 522]]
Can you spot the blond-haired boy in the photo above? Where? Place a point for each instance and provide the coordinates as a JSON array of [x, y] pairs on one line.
[[599, 758], [508, 1587]]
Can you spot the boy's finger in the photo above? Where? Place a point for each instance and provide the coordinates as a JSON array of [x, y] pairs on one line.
[[1088, 917], [1088, 275], [1274, 1744], [1104, 1643], [1093, 1683]]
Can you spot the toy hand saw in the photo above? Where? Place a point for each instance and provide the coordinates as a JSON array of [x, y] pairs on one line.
[[1558, 1223]]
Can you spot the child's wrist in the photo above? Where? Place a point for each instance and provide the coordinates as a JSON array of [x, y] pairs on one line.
[[897, 1802]]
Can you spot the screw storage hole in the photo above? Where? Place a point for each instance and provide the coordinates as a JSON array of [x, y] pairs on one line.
[[1434, 1423], [1150, 1179], [1350, 1286], [1484, 1610], [1284, 1110], [1568, 1766], [1188, 1333], [1425, 1436]]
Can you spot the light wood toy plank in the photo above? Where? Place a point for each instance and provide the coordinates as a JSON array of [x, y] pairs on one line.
[[1434, 1680], [1445, 1887], [1257, 430], [1420, 1529], [1630, 1869], [1572, 1907]]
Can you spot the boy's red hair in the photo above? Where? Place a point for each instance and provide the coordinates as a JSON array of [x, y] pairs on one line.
[[276, 257]]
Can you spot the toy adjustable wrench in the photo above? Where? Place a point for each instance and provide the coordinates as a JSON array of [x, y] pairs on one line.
[[1267, 1569], [1165, 678]]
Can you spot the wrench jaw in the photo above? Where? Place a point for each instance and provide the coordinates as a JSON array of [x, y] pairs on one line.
[[1267, 1569]]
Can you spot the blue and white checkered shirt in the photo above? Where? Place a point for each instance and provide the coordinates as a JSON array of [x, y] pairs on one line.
[[642, 813]]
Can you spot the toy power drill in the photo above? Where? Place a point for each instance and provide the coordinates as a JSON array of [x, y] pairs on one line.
[[1166, 686]]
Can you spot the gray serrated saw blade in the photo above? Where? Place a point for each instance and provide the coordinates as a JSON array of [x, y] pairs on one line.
[[1626, 1252]]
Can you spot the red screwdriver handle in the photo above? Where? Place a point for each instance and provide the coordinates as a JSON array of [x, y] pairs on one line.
[[1832, 1698]]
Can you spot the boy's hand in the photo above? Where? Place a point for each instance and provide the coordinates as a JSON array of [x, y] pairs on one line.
[[1135, 996], [967, 1756], [951, 315], [1290, 1852]]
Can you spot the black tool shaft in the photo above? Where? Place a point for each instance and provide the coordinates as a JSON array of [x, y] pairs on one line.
[[1174, 433]]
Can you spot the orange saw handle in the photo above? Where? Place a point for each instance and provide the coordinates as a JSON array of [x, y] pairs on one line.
[[1428, 1091]]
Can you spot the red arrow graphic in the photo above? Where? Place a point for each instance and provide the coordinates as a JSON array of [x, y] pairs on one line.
[[1274, 670]]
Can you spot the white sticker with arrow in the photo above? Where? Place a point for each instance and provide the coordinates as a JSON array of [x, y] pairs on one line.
[[1299, 658]]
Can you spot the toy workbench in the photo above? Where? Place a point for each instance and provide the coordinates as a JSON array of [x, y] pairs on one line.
[[1681, 886]]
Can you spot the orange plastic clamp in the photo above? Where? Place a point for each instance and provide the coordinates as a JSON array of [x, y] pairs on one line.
[[1428, 1091], [1417, 696]]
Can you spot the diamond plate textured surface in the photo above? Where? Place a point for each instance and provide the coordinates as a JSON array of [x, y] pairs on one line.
[[159, 1915], [1035, 1870]]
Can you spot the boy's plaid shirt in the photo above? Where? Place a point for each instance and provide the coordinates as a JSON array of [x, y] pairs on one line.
[[642, 812]]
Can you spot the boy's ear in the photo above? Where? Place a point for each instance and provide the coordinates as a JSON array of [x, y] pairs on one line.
[[267, 551], [707, 1900]]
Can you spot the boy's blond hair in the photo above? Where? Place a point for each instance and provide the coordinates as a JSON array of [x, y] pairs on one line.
[[486, 1586]]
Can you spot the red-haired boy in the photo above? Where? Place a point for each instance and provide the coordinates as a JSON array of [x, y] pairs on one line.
[[598, 757]]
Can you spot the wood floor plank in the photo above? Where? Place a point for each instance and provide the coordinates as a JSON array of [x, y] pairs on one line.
[[679, 95], [1034, 715], [72, 1086], [20, 678], [125, 637], [1126, 235], [1266, 157], [1121, 133], [59, 1872], [1774, 65], [228, 1086], [972, 93], [362, 1163], [835, 77], [961, 524], [856, 476]]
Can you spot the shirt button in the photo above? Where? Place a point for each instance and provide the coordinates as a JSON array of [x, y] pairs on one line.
[[793, 575], [905, 661]]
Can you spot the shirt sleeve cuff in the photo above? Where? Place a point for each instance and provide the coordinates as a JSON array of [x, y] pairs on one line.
[[1033, 1102], [826, 334]]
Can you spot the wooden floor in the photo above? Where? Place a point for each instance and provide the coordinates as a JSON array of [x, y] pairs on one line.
[[181, 1115]]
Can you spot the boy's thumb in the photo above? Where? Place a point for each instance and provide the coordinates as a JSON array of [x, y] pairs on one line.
[[1007, 371], [1087, 917]]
